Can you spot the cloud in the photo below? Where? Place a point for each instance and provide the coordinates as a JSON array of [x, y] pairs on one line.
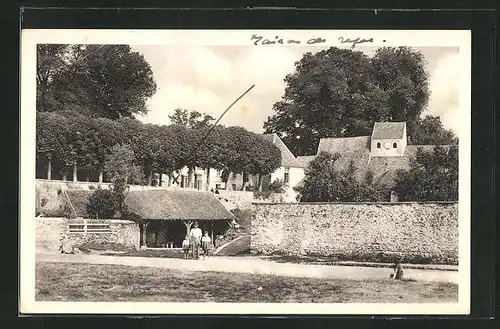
[[444, 85]]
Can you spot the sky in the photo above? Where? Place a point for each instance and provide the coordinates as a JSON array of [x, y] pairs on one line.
[[209, 78]]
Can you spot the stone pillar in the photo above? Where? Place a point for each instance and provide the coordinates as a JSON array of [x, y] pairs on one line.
[[75, 173], [100, 176]]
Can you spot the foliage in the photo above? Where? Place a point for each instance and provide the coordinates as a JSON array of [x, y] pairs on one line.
[[326, 183], [341, 93], [430, 131], [277, 186], [433, 176], [109, 81], [102, 204], [193, 119], [122, 170]]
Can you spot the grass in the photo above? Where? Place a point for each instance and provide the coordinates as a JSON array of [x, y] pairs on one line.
[[116, 283]]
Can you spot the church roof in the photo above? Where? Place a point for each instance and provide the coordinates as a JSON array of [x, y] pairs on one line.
[[287, 157], [343, 144], [388, 130]]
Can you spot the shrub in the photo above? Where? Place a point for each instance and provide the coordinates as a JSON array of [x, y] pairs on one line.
[[102, 204]]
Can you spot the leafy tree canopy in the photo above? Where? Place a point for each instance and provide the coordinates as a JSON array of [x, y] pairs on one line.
[[341, 93], [433, 176], [110, 81]]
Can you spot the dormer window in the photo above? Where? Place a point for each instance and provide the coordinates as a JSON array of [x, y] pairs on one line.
[[378, 145], [395, 145]]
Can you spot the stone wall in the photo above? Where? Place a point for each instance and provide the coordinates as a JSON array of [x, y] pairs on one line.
[[50, 232], [381, 232]]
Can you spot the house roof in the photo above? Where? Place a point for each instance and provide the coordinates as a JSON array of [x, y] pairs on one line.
[[343, 144], [167, 204], [388, 130], [287, 157], [383, 168]]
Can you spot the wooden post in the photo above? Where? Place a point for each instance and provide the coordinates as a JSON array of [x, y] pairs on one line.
[[159, 179], [65, 177], [75, 172], [88, 175], [169, 180], [212, 231], [144, 236], [49, 170], [100, 176], [188, 226]]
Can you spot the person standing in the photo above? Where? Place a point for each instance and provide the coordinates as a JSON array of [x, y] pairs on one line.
[[205, 245], [195, 239]]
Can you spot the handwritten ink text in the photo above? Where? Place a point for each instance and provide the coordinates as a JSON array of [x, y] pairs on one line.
[[354, 42]]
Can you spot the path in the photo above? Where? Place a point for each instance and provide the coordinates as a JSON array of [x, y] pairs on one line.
[[254, 266]]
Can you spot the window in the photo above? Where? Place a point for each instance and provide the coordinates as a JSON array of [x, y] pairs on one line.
[[286, 178], [234, 186], [378, 145], [395, 145], [234, 175]]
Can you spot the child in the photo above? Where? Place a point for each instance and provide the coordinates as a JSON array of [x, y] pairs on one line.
[[205, 244], [185, 246]]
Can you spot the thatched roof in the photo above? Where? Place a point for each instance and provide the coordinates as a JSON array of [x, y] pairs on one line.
[[344, 144], [287, 157], [176, 204], [79, 200], [388, 130], [163, 204]]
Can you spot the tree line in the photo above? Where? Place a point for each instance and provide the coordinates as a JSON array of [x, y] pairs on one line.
[[66, 140]]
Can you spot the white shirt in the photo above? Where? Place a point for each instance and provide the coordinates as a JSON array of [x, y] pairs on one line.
[[206, 239], [196, 232]]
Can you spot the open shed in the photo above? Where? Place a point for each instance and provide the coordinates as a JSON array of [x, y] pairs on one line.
[[167, 215]]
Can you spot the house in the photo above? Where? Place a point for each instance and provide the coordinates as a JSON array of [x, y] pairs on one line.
[[166, 215], [383, 153], [290, 172]]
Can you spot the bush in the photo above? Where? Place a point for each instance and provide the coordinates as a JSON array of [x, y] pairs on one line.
[[102, 204]]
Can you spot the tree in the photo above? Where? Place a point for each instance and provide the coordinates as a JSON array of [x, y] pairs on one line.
[[121, 170], [249, 154], [432, 176], [102, 204], [341, 93], [325, 182], [430, 131], [110, 81], [191, 119]]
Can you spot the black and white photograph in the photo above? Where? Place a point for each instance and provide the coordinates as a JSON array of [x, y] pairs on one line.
[[245, 171]]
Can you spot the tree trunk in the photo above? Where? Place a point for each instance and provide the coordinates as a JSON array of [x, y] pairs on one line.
[[208, 179], [159, 179], [190, 177], [49, 170], [150, 177], [75, 172], [169, 180], [100, 176], [260, 183], [244, 182]]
